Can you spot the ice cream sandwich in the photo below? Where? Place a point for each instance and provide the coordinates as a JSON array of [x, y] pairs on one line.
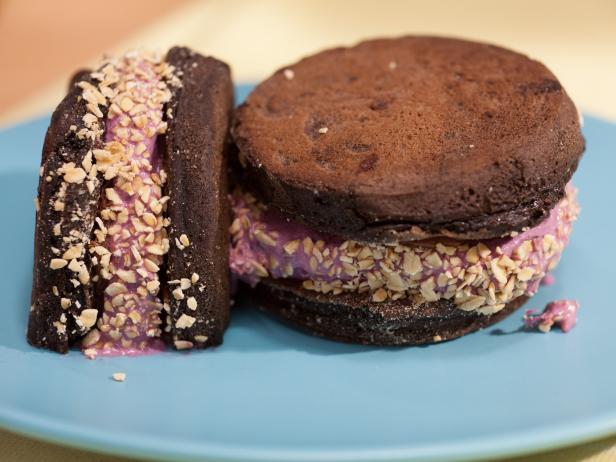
[[403, 191]]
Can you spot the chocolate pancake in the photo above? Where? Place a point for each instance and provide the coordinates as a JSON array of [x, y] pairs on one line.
[[195, 151], [68, 203], [408, 138], [354, 318]]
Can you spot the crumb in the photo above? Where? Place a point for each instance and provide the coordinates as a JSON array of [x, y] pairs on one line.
[[90, 353], [119, 376]]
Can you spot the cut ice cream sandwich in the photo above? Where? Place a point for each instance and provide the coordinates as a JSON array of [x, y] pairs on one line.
[[131, 239]]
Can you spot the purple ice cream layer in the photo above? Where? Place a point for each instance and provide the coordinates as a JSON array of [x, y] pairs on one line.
[[133, 238], [481, 276], [562, 313]]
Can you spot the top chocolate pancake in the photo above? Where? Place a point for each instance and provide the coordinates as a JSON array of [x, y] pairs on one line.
[[407, 138], [61, 291]]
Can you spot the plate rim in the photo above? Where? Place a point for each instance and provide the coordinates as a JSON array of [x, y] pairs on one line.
[[534, 441]]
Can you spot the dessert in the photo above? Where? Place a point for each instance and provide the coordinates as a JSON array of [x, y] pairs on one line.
[[403, 191], [132, 212]]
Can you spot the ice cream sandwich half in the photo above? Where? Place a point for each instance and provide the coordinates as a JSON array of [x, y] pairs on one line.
[[132, 215]]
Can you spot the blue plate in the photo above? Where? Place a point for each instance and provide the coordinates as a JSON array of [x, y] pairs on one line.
[[271, 393]]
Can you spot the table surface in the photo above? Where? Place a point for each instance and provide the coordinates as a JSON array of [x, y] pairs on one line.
[[577, 40]]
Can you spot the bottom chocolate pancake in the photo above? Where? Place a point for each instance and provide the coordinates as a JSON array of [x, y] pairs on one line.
[[354, 318]]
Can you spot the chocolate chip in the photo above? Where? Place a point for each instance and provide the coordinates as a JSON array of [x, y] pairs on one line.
[[380, 104], [359, 147], [368, 163], [538, 88]]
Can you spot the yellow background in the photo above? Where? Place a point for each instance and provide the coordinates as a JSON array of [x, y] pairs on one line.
[[577, 40]]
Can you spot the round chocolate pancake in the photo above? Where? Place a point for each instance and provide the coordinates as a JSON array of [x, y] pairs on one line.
[[409, 138], [353, 318]]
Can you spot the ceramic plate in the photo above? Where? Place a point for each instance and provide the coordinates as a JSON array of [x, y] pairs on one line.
[[271, 393]]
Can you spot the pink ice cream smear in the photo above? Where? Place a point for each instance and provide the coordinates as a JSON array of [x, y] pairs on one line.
[[131, 238], [548, 280], [481, 276], [561, 313]]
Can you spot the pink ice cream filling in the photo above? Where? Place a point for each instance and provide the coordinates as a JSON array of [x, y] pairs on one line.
[[144, 330], [561, 313], [266, 245], [130, 321]]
